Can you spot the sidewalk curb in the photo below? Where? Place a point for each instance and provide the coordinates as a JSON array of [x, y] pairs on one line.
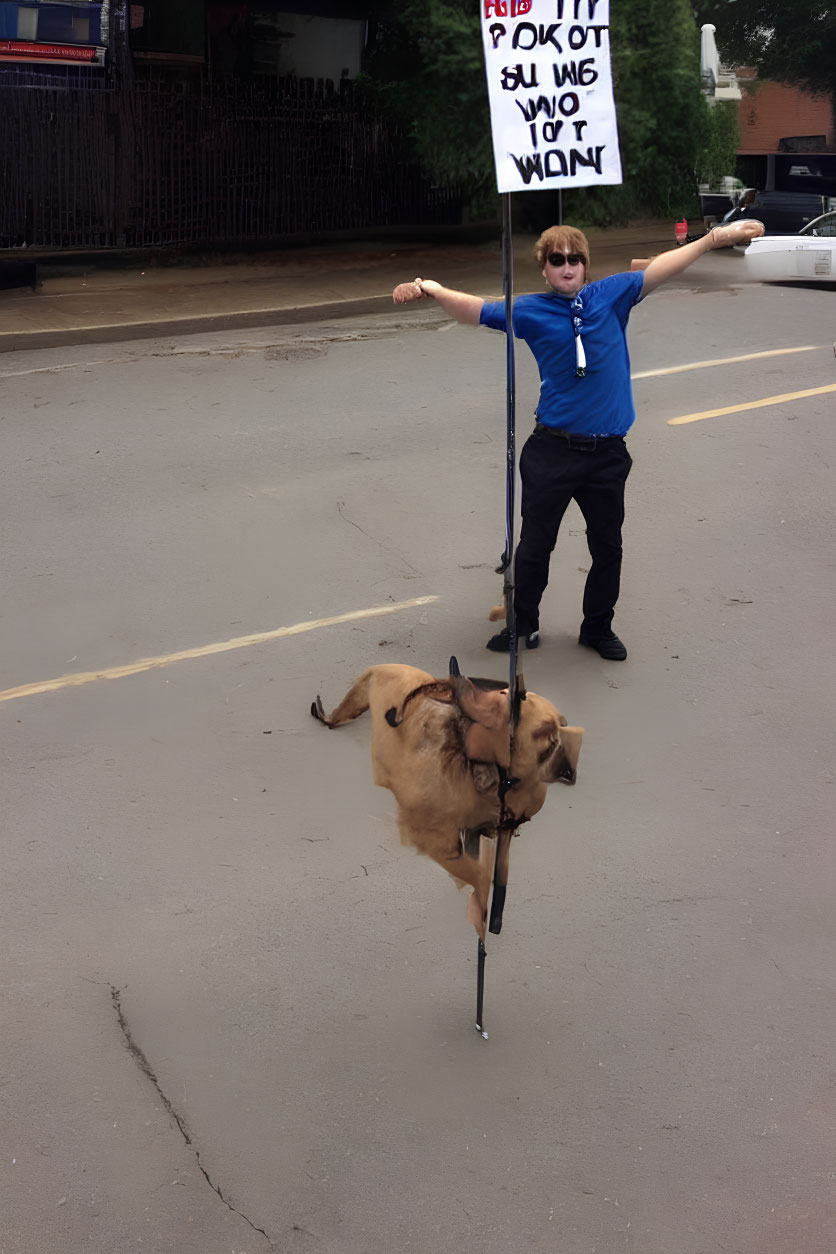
[[476, 269], [196, 324]]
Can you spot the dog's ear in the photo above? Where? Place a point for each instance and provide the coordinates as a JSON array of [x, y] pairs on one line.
[[488, 739], [488, 708], [562, 767]]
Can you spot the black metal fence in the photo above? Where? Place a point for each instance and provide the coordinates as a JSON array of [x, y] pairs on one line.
[[86, 163]]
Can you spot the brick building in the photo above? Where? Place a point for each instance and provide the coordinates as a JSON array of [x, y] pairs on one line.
[[778, 117]]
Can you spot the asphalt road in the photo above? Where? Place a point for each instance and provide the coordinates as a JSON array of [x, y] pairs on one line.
[[237, 1016]]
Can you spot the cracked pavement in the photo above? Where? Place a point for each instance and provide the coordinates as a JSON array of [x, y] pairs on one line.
[[146, 1069]]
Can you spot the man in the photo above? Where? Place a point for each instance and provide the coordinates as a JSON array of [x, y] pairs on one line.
[[577, 333]]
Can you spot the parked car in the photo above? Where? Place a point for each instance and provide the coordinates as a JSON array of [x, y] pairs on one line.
[[810, 254], [716, 202], [823, 227], [784, 213]]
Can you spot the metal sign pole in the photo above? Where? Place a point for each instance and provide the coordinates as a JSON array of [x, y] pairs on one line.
[[480, 987], [500, 865], [510, 447]]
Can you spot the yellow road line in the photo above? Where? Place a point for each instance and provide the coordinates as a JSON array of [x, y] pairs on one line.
[[206, 650], [736, 409], [725, 361]]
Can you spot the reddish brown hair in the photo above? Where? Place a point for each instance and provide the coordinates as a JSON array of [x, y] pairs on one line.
[[561, 239]]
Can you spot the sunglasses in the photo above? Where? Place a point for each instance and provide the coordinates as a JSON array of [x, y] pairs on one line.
[[572, 259]]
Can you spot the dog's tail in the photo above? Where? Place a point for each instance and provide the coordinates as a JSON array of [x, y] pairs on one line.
[[354, 703], [497, 614]]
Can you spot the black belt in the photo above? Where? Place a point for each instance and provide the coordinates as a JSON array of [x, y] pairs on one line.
[[573, 440]]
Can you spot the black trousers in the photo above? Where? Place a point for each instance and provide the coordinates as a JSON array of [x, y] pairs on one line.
[[554, 471]]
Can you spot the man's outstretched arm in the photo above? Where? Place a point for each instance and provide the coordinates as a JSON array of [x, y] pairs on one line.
[[459, 305], [666, 265]]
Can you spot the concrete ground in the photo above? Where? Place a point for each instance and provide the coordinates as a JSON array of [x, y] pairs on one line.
[[237, 1017]]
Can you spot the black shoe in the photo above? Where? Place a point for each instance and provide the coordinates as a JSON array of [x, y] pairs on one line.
[[501, 642], [609, 646]]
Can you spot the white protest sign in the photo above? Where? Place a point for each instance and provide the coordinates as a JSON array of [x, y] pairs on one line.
[[550, 92]]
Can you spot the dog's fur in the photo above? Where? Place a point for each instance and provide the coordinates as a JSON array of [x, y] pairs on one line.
[[439, 745]]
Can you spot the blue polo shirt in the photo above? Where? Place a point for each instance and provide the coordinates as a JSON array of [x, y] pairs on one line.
[[600, 403]]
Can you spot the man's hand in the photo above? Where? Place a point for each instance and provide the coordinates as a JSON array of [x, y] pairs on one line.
[[418, 289], [736, 233], [459, 305], [675, 260]]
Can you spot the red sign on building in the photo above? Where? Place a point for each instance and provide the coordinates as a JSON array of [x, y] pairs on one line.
[[63, 54]]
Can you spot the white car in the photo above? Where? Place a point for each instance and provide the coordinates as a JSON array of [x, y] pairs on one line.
[[810, 255]]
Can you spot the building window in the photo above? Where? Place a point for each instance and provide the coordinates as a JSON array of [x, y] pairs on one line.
[[160, 28], [48, 22]]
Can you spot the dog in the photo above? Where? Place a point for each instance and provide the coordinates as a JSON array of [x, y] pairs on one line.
[[443, 748]]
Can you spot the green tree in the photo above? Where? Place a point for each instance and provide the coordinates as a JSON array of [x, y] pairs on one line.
[[718, 155], [427, 66], [662, 115]]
